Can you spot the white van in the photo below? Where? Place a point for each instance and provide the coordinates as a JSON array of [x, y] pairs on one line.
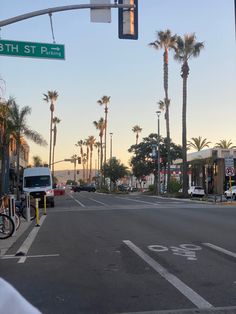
[[38, 182]]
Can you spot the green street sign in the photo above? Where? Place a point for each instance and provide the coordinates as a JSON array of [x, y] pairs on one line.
[[32, 50]]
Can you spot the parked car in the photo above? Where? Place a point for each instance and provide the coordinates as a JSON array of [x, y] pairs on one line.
[[84, 187], [123, 188], [232, 193], [196, 191]]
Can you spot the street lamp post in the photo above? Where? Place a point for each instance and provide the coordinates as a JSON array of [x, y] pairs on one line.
[[158, 152], [110, 156]]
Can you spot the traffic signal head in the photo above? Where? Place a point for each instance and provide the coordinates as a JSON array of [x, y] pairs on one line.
[[128, 20], [79, 160]]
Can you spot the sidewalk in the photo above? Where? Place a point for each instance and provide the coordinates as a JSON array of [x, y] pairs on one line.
[[7, 243]]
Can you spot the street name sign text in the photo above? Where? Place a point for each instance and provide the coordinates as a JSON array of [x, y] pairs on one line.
[[32, 49]]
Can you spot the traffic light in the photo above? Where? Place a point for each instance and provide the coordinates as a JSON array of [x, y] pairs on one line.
[[128, 20], [79, 160]]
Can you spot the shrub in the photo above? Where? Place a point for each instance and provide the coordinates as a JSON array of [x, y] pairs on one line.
[[175, 186]]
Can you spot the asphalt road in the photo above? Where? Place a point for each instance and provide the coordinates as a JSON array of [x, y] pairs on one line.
[[97, 253]]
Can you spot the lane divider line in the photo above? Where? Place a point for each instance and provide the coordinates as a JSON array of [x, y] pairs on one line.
[[101, 203], [189, 293], [24, 248], [78, 202], [220, 249]]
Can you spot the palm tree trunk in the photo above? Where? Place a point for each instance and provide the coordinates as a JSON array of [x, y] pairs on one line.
[[185, 72], [50, 141], [105, 140], [18, 168], [165, 57], [90, 165], [101, 154]]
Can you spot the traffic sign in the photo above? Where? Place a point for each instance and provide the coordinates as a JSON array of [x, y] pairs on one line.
[[32, 49], [229, 171], [229, 161]]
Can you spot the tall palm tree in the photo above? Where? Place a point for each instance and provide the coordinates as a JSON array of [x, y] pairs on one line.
[[137, 129], [80, 144], [225, 144], [55, 121], [91, 141], [104, 101], [198, 143], [51, 97], [18, 117], [187, 47], [166, 41], [100, 126]]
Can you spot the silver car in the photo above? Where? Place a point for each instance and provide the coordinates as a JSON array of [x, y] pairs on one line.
[[229, 194], [196, 191]]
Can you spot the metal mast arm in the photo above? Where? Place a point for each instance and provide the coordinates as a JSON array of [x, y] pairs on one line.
[[62, 8]]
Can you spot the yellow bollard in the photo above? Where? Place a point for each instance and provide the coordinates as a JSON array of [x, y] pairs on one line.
[[45, 205], [37, 212]]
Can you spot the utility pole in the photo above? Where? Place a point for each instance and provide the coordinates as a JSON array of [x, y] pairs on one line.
[[110, 158]]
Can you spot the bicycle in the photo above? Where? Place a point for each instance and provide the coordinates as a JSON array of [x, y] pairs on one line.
[[7, 225], [21, 209]]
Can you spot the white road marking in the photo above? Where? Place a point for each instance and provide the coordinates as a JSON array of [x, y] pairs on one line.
[[190, 294], [101, 203], [81, 204], [137, 201], [219, 310], [29, 240], [29, 256], [218, 248]]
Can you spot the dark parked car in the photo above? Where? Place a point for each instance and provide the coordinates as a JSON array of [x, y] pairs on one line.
[[88, 188]]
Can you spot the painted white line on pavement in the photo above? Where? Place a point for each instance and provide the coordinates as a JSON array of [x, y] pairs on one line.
[[81, 204], [101, 203], [220, 249], [219, 310], [42, 255], [137, 201], [190, 294], [29, 240]]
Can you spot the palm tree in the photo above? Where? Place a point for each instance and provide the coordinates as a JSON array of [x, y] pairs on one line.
[[100, 125], [51, 97], [136, 129], [80, 144], [165, 40], [55, 121], [198, 143], [91, 141], [104, 101], [18, 117], [224, 144], [187, 47], [37, 161]]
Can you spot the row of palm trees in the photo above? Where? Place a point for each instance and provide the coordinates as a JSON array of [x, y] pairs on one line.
[[198, 143], [91, 142], [184, 49]]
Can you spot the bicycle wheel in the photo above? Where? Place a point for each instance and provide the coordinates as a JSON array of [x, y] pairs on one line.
[[32, 212], [6, 226], [17, 221]]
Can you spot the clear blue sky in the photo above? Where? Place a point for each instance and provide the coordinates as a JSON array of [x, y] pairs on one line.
[[98, 63]]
